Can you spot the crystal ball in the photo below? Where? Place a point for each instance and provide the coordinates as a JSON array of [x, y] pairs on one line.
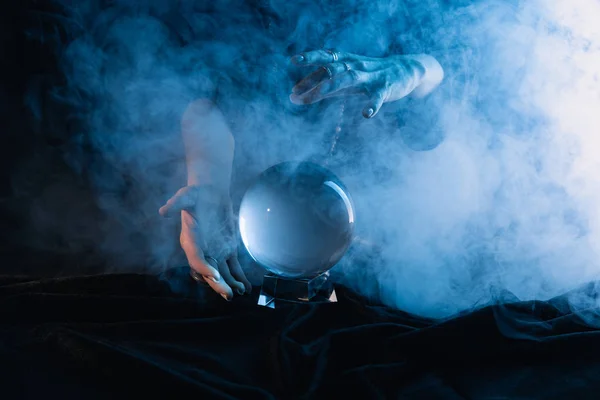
[[297, 219]]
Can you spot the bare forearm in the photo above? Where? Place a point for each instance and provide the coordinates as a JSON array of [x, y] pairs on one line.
[[209, 145]]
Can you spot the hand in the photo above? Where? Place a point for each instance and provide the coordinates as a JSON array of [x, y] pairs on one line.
[[207, 232], [381, 79]]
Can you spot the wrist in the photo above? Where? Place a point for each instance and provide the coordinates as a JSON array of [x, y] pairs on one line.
[[201, 173], [211, 193], [430, 73]]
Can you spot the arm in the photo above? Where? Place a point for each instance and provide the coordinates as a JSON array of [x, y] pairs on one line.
[[209, 146], [207, 222]]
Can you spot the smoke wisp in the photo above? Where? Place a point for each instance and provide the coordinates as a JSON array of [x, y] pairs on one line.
[[488, 185]]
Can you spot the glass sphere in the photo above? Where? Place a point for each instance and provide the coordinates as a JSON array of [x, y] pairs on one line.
[[297, 219]]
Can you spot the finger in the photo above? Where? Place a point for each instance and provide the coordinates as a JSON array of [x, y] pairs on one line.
[[195, 257], [209, 273], [226, 274], [310, 81], [220, 287], [185, 198], [323, 57], [327, 71], [374, 105], [236, 270], [330, 87]]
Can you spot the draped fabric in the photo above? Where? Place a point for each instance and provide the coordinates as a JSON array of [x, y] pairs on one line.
[[163, 336]]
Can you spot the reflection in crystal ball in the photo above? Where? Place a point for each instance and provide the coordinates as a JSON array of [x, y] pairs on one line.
[[297, 219]]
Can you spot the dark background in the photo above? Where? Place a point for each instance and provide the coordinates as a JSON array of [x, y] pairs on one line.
[[21, 60], [32, 158]]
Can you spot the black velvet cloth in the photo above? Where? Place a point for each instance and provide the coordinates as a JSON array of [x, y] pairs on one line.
[[164, 336]]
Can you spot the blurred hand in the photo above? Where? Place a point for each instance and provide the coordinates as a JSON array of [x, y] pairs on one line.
[[207, 233], [381, 79]]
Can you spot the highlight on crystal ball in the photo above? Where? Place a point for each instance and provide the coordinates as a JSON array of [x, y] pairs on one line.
[[297, 219]]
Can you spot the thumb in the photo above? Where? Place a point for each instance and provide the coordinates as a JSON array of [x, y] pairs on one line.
[[184, 199], [374, 104]]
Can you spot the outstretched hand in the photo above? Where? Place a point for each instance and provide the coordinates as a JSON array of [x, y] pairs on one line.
[[382, 80], [208, 238]]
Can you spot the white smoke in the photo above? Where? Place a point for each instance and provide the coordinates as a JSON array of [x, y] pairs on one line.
[[508, 201]]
